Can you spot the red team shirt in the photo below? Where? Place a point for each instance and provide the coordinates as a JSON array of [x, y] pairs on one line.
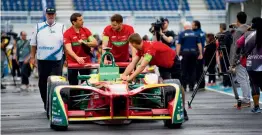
[[70, 36], [162, 55], [118, 41]]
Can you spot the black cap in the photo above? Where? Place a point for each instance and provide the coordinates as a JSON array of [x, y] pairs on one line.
[[50, 10]]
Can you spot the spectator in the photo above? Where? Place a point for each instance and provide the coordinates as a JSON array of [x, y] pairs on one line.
[[22, 55], [210, 50], [96, 54], [196, 26], [252, 43], [241, 73], [78, 41], [225, 41], [145, 38], [189, 44], [47, 44], [15, 64], [99, 41]]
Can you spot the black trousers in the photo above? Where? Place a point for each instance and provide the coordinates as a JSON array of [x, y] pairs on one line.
[[199, 72], [171, 73], [25, 72], [73, 73], [15, 68], [211, 70], [255, 81], [47, 68], [224, 67], [189, 63]]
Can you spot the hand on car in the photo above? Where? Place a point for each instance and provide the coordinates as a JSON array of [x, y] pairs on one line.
[[123, 77], [80, 60], [106, 62]]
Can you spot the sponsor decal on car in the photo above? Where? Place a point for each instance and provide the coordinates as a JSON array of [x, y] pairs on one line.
[[57, 120]]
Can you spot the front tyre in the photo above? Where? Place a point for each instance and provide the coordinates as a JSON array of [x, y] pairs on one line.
[[52, 82], [169, 93]]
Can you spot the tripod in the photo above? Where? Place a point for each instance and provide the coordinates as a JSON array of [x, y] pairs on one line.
[[220, 50]]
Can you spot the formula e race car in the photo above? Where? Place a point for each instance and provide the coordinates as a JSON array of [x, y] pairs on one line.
[[104, 98]]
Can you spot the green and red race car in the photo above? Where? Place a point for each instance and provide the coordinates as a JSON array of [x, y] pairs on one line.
[[103, 97]]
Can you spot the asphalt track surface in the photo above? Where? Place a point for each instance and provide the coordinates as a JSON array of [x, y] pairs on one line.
[[212, 113]]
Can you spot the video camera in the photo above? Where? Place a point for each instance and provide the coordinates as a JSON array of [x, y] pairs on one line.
[[221, 38], [157, 25], [232, 26], [6, 37]]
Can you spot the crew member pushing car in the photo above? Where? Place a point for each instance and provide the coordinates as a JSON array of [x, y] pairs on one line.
[[151, 53]]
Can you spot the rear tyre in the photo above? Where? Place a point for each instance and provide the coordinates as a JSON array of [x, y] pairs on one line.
[[52, 82], [169, 93]]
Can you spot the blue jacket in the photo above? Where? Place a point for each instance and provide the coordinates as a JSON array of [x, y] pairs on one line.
[[188, 39], [202, 36]]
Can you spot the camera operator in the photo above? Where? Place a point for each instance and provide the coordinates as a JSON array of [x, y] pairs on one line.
[[196, 25], [225, 40], [163, 34], [241, 75], [191, 50]]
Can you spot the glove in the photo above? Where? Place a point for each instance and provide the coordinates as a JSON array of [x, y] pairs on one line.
[[87, 50]]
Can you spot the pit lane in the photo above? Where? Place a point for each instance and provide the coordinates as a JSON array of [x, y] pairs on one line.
[[211, 113]]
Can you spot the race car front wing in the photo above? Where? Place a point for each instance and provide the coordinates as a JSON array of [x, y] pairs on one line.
[[61, 116]]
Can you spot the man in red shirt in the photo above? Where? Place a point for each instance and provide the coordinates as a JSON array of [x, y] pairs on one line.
[[153, 53], [77, 41], [116, 37]]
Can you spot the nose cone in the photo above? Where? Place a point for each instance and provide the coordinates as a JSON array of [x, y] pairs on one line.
[[118, 89]]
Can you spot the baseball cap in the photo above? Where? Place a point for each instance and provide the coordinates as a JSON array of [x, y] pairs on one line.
[[50, 10]]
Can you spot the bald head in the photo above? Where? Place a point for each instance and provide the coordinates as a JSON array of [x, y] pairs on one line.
[[23, 35], [187, 26]]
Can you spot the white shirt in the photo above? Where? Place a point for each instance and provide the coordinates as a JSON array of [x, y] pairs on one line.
[[49, 41]]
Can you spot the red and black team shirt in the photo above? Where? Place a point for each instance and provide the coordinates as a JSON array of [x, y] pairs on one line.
[[158, 53], [70, 36], [118, 41]]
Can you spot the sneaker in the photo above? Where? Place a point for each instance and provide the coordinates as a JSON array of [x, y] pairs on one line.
[[256, 110], [24, 87], [209, 84], [213, 84], [18, 78], [243, 105]]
